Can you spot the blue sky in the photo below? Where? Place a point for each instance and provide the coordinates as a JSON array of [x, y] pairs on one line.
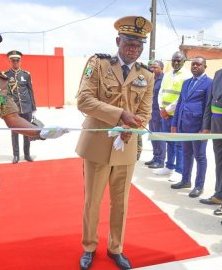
[[97, 34]]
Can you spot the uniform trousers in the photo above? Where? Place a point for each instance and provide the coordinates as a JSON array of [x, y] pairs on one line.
[[216, 127], [96, 177], [26, 140], [159, 147], [174, 149], [197, 150]]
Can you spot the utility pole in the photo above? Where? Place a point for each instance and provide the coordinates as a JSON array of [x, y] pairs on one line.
[[153, 33]]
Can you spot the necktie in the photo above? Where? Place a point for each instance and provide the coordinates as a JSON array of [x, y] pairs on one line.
[[191, 85], [126, 71]]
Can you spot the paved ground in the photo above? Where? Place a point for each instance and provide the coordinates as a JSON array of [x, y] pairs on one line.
[[202, 263], [196, 219]]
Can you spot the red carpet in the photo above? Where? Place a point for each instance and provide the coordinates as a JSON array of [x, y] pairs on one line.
[[40, 220]]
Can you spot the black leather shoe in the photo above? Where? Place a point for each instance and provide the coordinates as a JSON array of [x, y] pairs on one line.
[[86, 260], [212, 200], [15, 159], [155, 165], [149, 162], [180, 185], [218, 211], [196, 192], [28, 158], [121, 261]]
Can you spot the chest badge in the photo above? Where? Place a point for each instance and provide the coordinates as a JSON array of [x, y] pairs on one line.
[[140, 81], [141, 77]]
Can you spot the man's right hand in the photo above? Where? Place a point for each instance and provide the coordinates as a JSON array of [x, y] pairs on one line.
[[164, 114], [173, 129], [131, 119]]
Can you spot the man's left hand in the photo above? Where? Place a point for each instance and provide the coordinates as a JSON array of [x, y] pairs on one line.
[[164, 114]]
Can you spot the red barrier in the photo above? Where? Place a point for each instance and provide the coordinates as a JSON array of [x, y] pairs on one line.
[[47, 73]]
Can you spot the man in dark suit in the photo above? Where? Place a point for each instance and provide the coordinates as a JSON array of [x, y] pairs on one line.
[[155, 124], [20, 84], [188, 118], [212, 122]]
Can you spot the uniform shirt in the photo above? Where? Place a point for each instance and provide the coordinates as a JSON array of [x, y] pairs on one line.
[[21, 88], [102, 96], [7, 106], [122, 63]]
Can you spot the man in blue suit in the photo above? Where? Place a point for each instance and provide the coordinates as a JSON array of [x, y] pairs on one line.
[[155, 124], [188, 118]]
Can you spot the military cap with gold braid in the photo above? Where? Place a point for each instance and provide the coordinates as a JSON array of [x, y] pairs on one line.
[[134, 26], [14, 54]]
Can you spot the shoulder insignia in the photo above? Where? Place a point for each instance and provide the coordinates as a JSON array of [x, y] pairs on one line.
[[103, 55], [3, 75], [114, 60], [144, 66], [88, 71], [26, 71], [141, 65]]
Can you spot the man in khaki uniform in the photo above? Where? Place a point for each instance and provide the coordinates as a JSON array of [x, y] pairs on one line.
[[114, 91], [9, 113]]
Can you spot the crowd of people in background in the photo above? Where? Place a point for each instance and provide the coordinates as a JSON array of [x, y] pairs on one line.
[[186, 101]]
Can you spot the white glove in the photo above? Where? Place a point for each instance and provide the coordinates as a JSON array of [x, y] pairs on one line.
[[118, 144], [52, 132]]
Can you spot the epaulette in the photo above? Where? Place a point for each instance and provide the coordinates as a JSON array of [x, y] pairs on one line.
[[114, 60], [103, 55], [3, 76], [144, 66], [141, 65], [26, 71]]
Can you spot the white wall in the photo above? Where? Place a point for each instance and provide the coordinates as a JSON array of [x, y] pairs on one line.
[[73, 68]]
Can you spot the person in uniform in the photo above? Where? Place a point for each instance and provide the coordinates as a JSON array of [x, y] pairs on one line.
[[9, 113], [114, 91], [188, 118], [20, 84]]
